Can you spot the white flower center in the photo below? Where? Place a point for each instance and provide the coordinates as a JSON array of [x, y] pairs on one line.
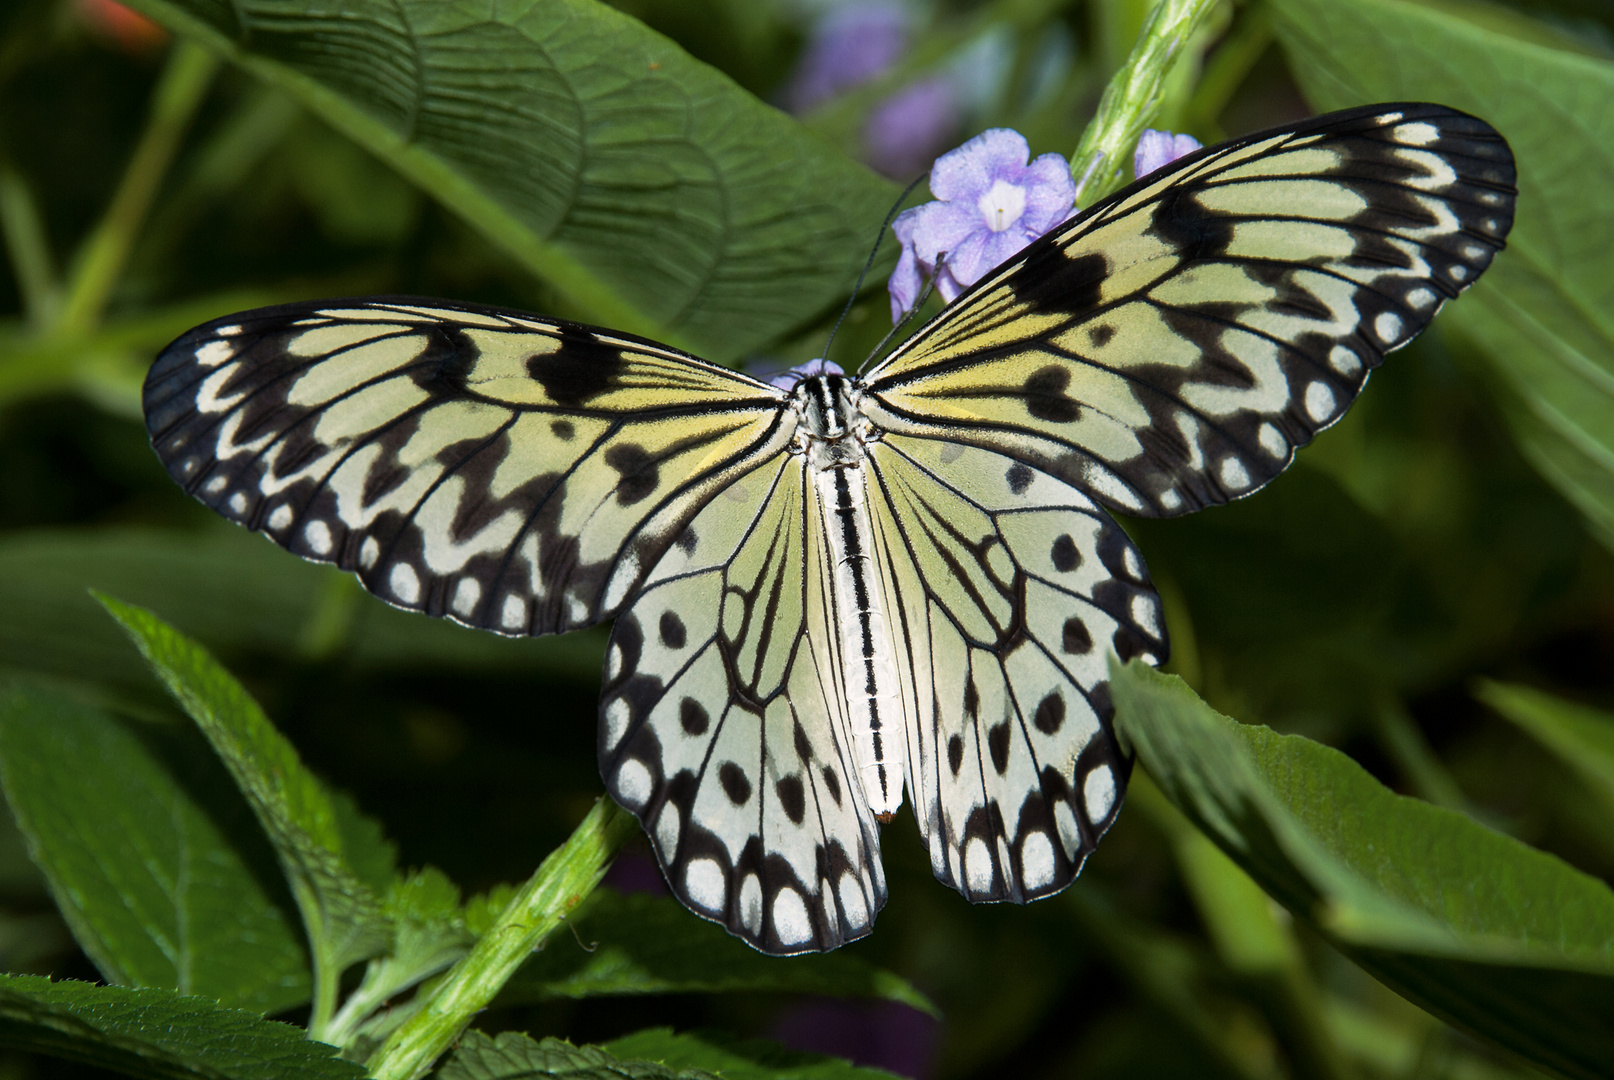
[[1002, 205]]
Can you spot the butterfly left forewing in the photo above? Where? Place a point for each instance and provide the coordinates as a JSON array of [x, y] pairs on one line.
[[722, 725], [1172, 346], [509, 472], [1013, 589]]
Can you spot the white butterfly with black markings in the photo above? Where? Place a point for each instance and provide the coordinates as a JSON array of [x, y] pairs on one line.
[[830, 594]]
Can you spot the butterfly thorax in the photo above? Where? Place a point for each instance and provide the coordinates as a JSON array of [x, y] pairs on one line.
[[833, 436]]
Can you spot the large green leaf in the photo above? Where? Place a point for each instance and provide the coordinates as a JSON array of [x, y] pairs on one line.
[[204, 581], [1544, 313], [1505, 941], [648, 188], [160, 881], [158, 1034], [641, 944], [304, 822]]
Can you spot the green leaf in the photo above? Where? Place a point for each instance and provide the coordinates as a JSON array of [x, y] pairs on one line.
[[638, 944], [342, 915], [204, 580], [1582, 738], [158, 1034], [164, 882], [643, 185], [514, 1056], [736, 1059], [1495, 937], [1544, 313]]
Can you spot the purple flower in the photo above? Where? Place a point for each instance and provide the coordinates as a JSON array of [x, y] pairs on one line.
[[850, 46], [1157, 149], [991, 203]]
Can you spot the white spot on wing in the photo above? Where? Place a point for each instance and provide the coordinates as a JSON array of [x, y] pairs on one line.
[[790, 917], [667, 829], [1344, 361], [317, 534], [633, 789], [1387, 326], [1319, 402], [238, 502], [751, 904], [369, 552], [978, 865], [616, 722], [1421, 299], [214, 353], [703, 880], [280, 517], [1419, 134], [1273, 442], [405, 583], [1098, 793], [1037, 860], [1070, 832], [514, 613], [851, 895], [466, 594], [613, 661], [1235, 477]]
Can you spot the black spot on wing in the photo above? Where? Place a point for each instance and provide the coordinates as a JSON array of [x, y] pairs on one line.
[[997, 745], [793, 797], [578, 370], [1050, 715], [639, 472], [672, 630], [735, 784], [955, 754], [692, 715], [1045, 395], [1076, 640], [1019, 478]]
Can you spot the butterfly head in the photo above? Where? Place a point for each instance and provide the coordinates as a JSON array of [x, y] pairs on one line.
[[830, 424]]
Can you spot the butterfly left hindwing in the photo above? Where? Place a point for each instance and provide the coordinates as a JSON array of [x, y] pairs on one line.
[[722, 726]]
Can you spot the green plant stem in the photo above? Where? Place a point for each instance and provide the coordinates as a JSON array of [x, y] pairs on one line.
[[28, 247], [184, 82], [1132, 98], [568, 875]]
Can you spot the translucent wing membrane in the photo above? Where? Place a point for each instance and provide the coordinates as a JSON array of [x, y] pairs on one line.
[[1013, 588], [723, 724], [1173, 345], [505, 471]]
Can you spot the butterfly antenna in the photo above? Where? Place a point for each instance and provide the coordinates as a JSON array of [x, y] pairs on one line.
[[907, 316], [896, 208]]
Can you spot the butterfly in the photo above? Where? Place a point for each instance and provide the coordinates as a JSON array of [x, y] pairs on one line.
[[839, 592]]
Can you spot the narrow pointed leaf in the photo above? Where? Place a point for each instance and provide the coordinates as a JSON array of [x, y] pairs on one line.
[[164, 882], [342, 915], [158, 1034]]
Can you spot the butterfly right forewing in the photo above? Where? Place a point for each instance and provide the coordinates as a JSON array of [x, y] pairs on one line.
[[1171, 347]]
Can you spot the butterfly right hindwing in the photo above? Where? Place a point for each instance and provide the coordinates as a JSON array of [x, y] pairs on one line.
[[1014, 590]]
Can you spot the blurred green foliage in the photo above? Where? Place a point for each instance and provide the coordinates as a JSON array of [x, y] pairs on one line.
[[1454, 527]]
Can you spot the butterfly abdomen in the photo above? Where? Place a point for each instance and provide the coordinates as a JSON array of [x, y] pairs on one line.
[[836, 460]]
